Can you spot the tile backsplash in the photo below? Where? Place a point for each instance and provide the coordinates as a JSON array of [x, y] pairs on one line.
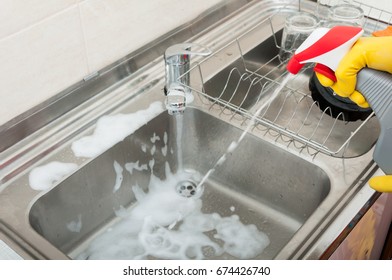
[[46, 46]]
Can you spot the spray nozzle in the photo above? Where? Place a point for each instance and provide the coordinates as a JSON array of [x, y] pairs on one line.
[[326, 47]]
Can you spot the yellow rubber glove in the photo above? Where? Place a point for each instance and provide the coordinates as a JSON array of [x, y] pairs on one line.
[[371, 52], [381, 183]]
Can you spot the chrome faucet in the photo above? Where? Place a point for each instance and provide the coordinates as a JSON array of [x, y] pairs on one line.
[[177, 66]]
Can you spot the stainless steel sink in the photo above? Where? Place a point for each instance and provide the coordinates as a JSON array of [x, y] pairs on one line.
[[293, 182], [277, 198]]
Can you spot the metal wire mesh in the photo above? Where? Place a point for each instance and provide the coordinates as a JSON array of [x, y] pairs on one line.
[[237, 83]]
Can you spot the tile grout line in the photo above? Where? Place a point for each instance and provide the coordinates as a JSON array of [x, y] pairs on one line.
[[47, 18], [82, 26]]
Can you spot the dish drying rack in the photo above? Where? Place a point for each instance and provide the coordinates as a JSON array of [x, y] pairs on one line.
[[243, 90]]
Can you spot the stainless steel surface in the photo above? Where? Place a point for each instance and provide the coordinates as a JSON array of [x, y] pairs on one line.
[[177, 63], [278, 204], [187, 188], [306, 202], [43, 114]]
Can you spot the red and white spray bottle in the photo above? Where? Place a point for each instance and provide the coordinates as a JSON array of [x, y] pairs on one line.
[[326, 47]]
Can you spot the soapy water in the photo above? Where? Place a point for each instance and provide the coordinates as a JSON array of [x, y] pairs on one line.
[[147, 231], [119, 176], [112, 129], [75, 225], [162, 224], [45, 176], [165, 225]]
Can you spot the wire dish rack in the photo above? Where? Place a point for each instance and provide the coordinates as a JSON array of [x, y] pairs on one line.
[[244, 80]]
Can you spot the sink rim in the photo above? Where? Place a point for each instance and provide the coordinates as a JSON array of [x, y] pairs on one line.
[[221, 181], [355, 196]]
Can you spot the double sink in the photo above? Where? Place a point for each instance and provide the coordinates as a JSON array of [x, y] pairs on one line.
[[301, 205]]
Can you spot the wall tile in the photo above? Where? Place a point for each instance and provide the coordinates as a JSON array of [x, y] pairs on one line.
[[40, 61], [115, 28], [19, 14]]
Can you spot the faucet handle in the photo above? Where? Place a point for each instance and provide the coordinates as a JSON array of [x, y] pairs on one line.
[[177, 63], [177, 66]]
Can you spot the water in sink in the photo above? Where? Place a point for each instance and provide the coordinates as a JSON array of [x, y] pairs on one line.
[[147, 230], [94, 206], [164, 224]]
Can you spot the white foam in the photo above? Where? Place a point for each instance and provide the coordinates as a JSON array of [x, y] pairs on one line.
[[153, 150], [164, 148], [163, 203], [130, 166], [138, 192], [119, 177], [163, 243], [155, 138], [165, 137], [113, 129], [76, 225], [165, 225], [151, 164], [121, 212], [45, 176], [241, 241]]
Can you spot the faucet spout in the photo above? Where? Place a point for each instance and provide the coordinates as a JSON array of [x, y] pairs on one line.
[[176, 100], [177, 77]]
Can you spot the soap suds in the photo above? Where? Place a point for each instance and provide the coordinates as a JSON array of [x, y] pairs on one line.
[[165, 225], [131, 166], [151, 164], [119, 177], [45, 176], [242, 241], [164, 148], [138, 192], [76, 225], [121, 212], [155, 138], [153, 150], [112, 129]]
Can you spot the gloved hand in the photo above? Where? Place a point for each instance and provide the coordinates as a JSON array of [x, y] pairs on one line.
[[371, 52], [381, 183]]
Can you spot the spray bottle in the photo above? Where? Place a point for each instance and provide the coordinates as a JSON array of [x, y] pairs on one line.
[[326, 47]]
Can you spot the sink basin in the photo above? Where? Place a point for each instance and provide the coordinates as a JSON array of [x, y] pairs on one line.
[[277, 198], [184, 187]]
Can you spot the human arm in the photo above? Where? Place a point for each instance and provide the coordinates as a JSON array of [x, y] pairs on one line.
[[371, 52]]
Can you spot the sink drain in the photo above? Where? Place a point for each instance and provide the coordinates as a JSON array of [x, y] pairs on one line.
[[186, 188]]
